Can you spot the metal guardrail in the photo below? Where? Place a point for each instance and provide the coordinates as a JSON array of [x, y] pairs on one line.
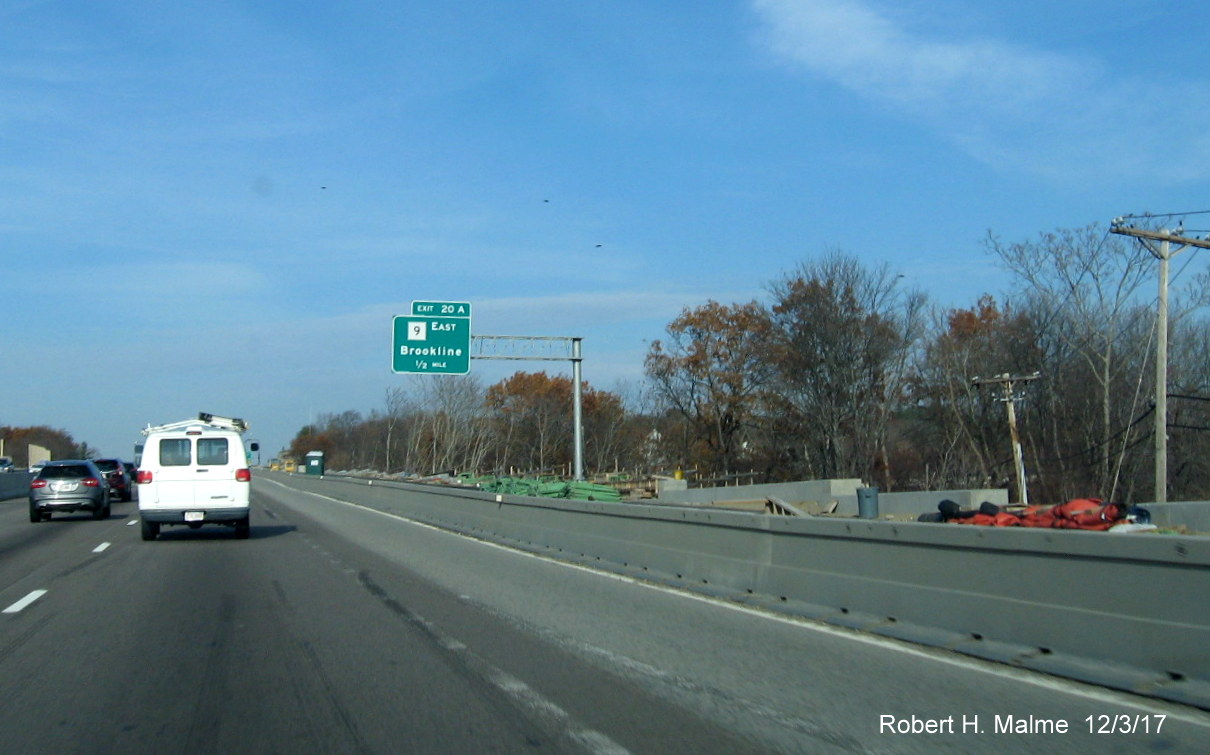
[[1122, 611]]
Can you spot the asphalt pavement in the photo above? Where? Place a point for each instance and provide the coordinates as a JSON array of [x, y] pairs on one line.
[[336, 628]]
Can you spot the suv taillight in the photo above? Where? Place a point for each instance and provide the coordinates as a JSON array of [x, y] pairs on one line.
[[90, 482], [243, 475], [144, 476], [38, 483]]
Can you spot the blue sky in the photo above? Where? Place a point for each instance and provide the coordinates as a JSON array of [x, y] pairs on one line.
[[220, 206]]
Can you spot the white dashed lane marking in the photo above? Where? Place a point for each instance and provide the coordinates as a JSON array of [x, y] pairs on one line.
[[22, 604]]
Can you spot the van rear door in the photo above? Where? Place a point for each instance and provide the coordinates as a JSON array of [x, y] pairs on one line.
[[215, 472], [175, 475]]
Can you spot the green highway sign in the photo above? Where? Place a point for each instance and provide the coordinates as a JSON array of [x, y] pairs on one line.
[[433, 344], [441, 308]]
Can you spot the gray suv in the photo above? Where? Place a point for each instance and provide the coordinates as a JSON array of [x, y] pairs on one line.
[[68, 486]]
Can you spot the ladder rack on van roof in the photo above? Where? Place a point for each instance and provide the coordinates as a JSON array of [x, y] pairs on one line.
[[203, 418]]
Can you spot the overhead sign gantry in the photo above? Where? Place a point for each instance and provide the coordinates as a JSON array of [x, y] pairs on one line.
[[436, 340]]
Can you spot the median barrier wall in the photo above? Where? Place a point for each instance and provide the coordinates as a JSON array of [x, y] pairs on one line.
[[14, 484], [925, 502], [819, 493], [1193, 515], [1124, 611]]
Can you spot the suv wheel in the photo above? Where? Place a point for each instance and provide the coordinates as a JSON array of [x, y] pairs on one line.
[[35, 516]]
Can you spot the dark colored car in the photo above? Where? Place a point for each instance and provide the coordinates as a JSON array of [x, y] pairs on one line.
[[68, 486], [132, 469], [121, 483]]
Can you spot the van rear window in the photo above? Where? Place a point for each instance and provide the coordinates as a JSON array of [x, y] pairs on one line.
[[211, 452], [175, 452]]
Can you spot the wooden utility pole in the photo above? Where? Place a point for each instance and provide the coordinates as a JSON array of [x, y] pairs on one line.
[[1008, 383], [1159, 243]]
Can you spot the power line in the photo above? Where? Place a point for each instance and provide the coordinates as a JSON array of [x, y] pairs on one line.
[[1096, 448], [1163, 215]]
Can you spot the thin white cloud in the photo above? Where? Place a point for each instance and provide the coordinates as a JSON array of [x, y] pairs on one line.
[[1009, 104], [849, 42]]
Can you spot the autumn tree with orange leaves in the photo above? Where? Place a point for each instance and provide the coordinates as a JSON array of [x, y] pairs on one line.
[[533, 413], [711, 370], [534, 430]]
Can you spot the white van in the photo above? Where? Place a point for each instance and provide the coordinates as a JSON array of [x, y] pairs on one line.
[[194, 472]]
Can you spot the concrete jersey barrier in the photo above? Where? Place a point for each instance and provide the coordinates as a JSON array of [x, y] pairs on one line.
[[1122, 611], [14, 485]]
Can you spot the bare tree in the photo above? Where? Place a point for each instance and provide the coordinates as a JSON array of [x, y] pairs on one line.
[[843, 338], [453, 431], [1083, 287], [399, 407], [959, 434]]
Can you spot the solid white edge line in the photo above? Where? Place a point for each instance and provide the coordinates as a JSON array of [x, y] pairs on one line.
[[22, 604], [901, 646]]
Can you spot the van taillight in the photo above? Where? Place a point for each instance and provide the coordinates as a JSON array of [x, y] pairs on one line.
[[143, 477], [243, 475]]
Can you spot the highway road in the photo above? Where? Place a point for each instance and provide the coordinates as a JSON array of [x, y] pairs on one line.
[[337, 628]]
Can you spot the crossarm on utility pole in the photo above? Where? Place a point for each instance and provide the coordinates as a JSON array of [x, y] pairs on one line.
[[1142, 233]]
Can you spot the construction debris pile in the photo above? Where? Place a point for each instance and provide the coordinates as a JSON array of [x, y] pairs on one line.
[[1078, 514]]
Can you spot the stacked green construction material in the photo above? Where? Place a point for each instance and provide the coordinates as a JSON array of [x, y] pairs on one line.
[[545, 488]]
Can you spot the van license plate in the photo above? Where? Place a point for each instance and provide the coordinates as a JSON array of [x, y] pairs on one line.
[[195, 516]]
